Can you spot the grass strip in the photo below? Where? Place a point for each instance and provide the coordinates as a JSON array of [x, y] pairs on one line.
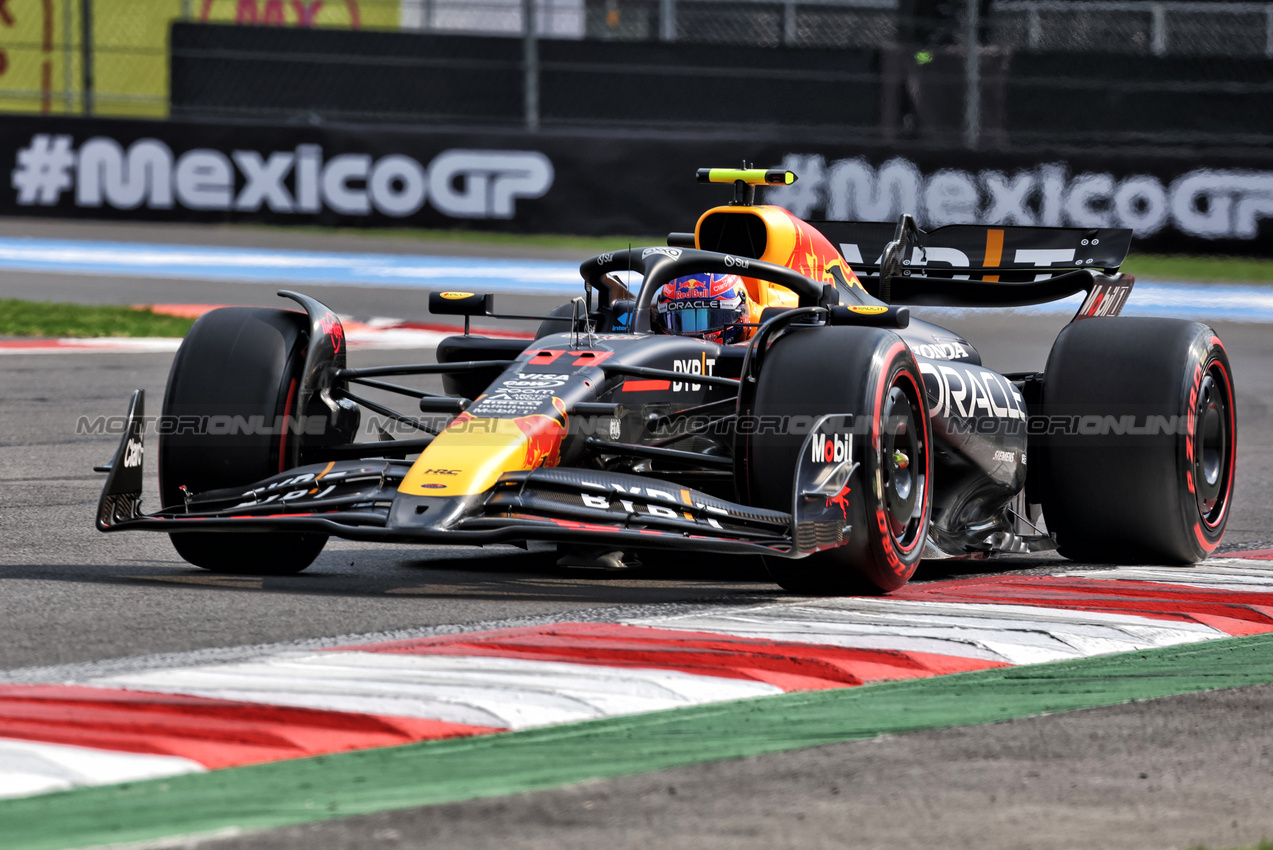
[[326, 787], [1184, 267], [50, 319], [586, 245]]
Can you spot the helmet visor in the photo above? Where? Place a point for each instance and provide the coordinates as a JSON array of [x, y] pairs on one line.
[[686, 319]]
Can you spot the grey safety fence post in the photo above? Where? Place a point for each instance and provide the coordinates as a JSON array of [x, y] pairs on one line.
[[531, 62], [972, 75], [86, 55], [1268, 31], [68, 55], [1158, 29], [667, 20]]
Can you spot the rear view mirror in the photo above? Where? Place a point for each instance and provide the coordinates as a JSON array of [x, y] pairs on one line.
[[461, 303]]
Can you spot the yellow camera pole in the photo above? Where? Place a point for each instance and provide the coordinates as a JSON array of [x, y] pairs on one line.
[[746, 180]]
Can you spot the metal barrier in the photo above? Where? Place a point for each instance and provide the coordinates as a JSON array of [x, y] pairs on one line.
[[970, 72], [1156, 28]]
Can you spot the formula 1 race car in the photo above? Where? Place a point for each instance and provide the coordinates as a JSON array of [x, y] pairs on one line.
[[838, 438]]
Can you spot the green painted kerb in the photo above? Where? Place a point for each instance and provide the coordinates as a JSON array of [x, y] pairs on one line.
[[305, 790]]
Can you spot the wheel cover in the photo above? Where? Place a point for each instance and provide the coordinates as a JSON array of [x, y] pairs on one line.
[[1213, 445], [903, 465]]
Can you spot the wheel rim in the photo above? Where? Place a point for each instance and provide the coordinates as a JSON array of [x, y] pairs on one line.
[[904, 465], [1213, 446]]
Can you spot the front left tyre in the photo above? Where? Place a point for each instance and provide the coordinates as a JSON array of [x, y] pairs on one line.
[[240, 368], [868, 372]]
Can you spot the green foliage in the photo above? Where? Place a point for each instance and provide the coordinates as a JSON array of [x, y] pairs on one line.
[[585, 245], [1184, 267], [46, 318]]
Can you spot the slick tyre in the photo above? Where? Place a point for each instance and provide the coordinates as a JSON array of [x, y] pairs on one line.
[[868, 372], [559, 323], [241, 365], [1140, 466]]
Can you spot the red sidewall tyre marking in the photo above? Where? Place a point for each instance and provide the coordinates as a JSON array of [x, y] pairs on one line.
[[1208, 533], [892, 550]]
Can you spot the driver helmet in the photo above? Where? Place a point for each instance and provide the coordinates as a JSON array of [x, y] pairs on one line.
[[707, 306]]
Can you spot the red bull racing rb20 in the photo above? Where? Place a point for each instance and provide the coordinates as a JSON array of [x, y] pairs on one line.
[[752, 388]]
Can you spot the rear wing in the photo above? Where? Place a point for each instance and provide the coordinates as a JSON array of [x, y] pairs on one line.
[[970, 265], [979, 250]]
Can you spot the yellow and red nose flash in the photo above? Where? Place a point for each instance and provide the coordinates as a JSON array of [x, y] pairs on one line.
[[477, 451], [543, 436]]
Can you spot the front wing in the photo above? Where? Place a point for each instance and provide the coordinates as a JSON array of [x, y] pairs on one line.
[[359, 500]]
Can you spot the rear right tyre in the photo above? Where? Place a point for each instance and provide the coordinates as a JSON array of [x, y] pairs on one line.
[[1141, 466]]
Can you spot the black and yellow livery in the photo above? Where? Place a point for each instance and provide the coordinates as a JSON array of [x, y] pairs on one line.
[[844, 441]]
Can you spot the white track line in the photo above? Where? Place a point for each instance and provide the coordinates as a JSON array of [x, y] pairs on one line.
[[80, 345], [294, 268], [361, 340]]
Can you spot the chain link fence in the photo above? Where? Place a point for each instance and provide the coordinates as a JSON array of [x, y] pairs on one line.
[[1041, 71], [111, 57], [1138, 28]]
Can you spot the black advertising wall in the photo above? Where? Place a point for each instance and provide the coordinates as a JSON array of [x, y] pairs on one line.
[[557, 182], [277, 73], [1028, 97]]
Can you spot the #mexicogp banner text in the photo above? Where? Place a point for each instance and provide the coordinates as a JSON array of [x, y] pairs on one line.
[[603, 184]]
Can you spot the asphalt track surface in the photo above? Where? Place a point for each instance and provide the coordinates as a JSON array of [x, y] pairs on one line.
[[1173, 772]]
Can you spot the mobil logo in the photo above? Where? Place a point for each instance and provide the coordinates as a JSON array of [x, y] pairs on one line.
[[833, 448]]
